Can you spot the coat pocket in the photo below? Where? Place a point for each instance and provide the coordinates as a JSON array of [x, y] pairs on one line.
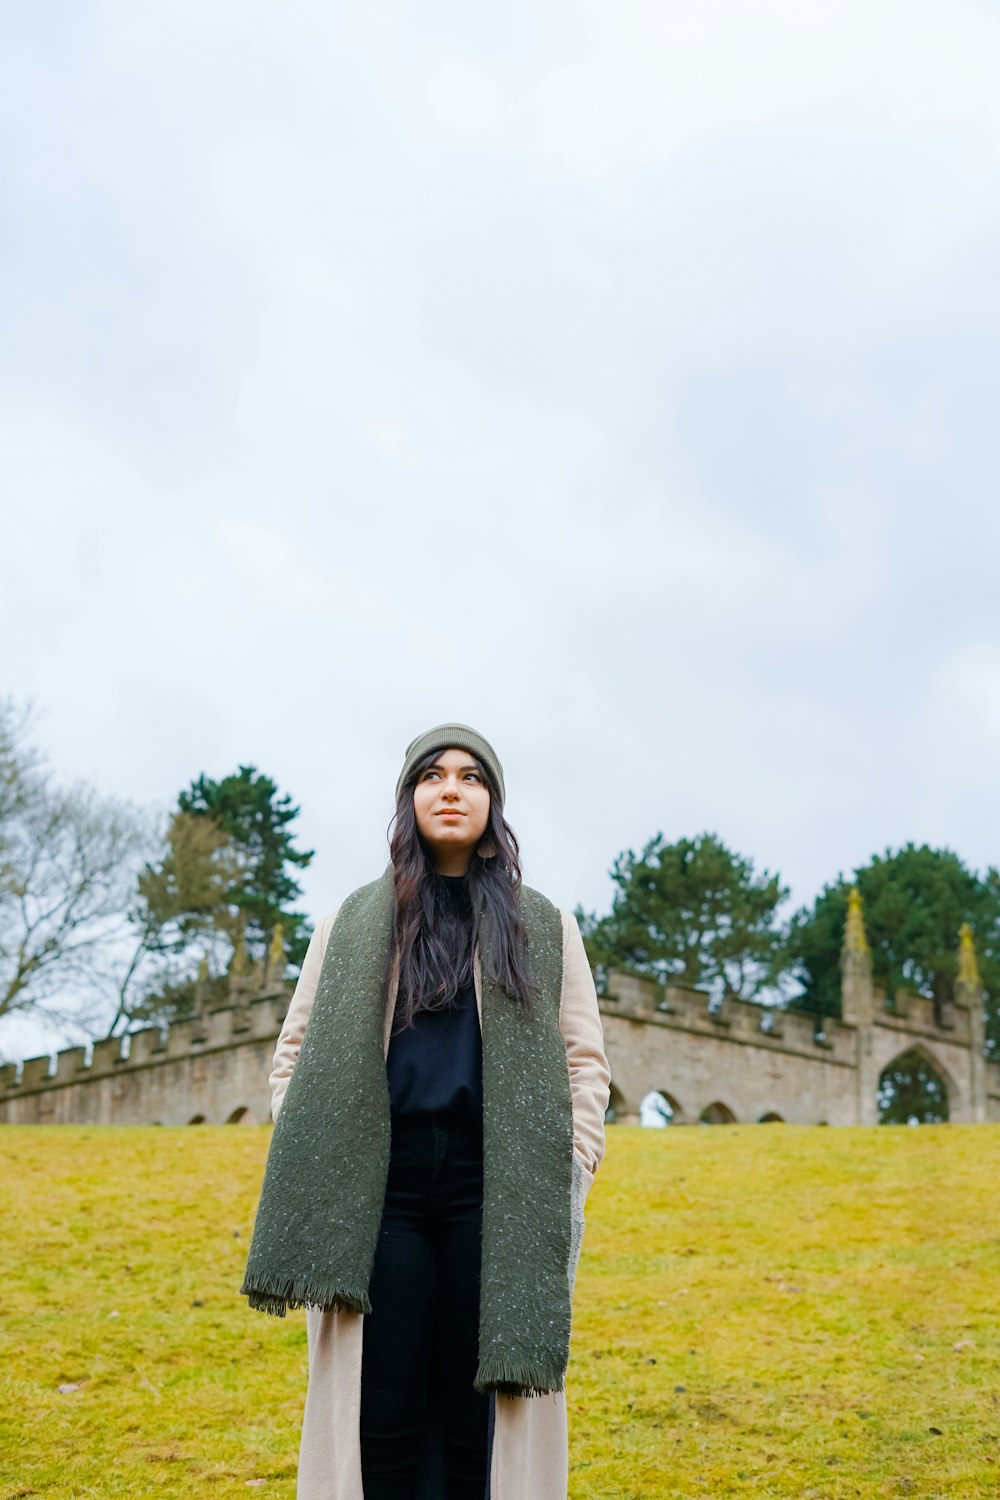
[[582, 1179]]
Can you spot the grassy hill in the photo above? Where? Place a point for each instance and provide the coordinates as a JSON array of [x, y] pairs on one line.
[[760, 1311]]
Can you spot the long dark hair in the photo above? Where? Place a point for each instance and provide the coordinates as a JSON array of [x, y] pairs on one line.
[[434, 940]]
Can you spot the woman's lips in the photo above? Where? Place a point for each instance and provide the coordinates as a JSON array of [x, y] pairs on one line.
[[450, 814]]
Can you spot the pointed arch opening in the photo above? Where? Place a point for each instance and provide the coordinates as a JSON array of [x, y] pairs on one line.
[[914, 1089], [242, 1116], [616, 1106], [771, 1118], [717, 1113]]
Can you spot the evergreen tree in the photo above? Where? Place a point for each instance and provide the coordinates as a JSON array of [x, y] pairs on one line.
[[255, 820], [692, 911], [915, 900], [222, 886]]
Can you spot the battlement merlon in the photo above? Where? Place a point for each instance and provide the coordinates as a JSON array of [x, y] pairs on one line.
[[35, 1071]]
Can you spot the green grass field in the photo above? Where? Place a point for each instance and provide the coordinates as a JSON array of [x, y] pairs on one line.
[[760, 1311]]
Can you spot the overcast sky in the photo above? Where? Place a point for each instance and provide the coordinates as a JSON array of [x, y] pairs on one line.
[[623, 380]]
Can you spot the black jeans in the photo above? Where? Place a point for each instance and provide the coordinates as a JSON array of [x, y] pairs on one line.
[[425, 1301]]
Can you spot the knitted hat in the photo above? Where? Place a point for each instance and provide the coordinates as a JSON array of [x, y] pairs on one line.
[[462, 737]]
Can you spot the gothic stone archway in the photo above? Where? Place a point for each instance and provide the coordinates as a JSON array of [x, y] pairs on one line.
[[914, 1089]]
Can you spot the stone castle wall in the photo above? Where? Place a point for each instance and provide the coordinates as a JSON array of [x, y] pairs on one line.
[[214, 1069], [737, 1061], [746, 1062]]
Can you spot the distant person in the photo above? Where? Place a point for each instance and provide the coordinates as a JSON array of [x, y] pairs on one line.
[[654, 1111], [424, 1189]]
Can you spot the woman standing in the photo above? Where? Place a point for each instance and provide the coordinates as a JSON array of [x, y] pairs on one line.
[[438, 1123]]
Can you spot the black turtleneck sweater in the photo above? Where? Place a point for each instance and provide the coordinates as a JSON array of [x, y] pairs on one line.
[[436, 1066]]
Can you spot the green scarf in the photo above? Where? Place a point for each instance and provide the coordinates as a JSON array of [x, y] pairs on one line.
[[321, 1202]]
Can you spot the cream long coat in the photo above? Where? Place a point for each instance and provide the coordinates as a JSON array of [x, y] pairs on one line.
[[530, 1451]]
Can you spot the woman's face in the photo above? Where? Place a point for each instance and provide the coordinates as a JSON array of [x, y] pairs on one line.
[[451, 803]]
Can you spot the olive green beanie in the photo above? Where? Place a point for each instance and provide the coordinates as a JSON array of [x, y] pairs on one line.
[[462, 737]]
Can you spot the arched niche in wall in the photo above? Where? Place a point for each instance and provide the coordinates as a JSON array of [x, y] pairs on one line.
[[242, 1116], [914, 1089], [717, 1113], [616, 1107]]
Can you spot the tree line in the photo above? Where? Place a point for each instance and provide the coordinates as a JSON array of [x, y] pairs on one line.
[[140, 917], [134, 916], [697, 913]]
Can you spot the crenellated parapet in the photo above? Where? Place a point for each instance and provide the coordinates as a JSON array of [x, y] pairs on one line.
[[678, 1007], [711, 1059], [220, 1030]]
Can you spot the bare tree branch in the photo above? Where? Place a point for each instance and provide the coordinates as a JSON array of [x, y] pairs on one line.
[[69, 861]]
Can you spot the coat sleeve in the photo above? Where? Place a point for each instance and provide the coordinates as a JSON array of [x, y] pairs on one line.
[[580, 1024], [293, 1028]]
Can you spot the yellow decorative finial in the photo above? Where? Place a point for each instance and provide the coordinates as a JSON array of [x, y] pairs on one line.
[[968, 968], [240, 965], [201, 985], [855, 937]]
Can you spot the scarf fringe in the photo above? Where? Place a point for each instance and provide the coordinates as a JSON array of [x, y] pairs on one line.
[[517, 1380], [268, 1294]]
